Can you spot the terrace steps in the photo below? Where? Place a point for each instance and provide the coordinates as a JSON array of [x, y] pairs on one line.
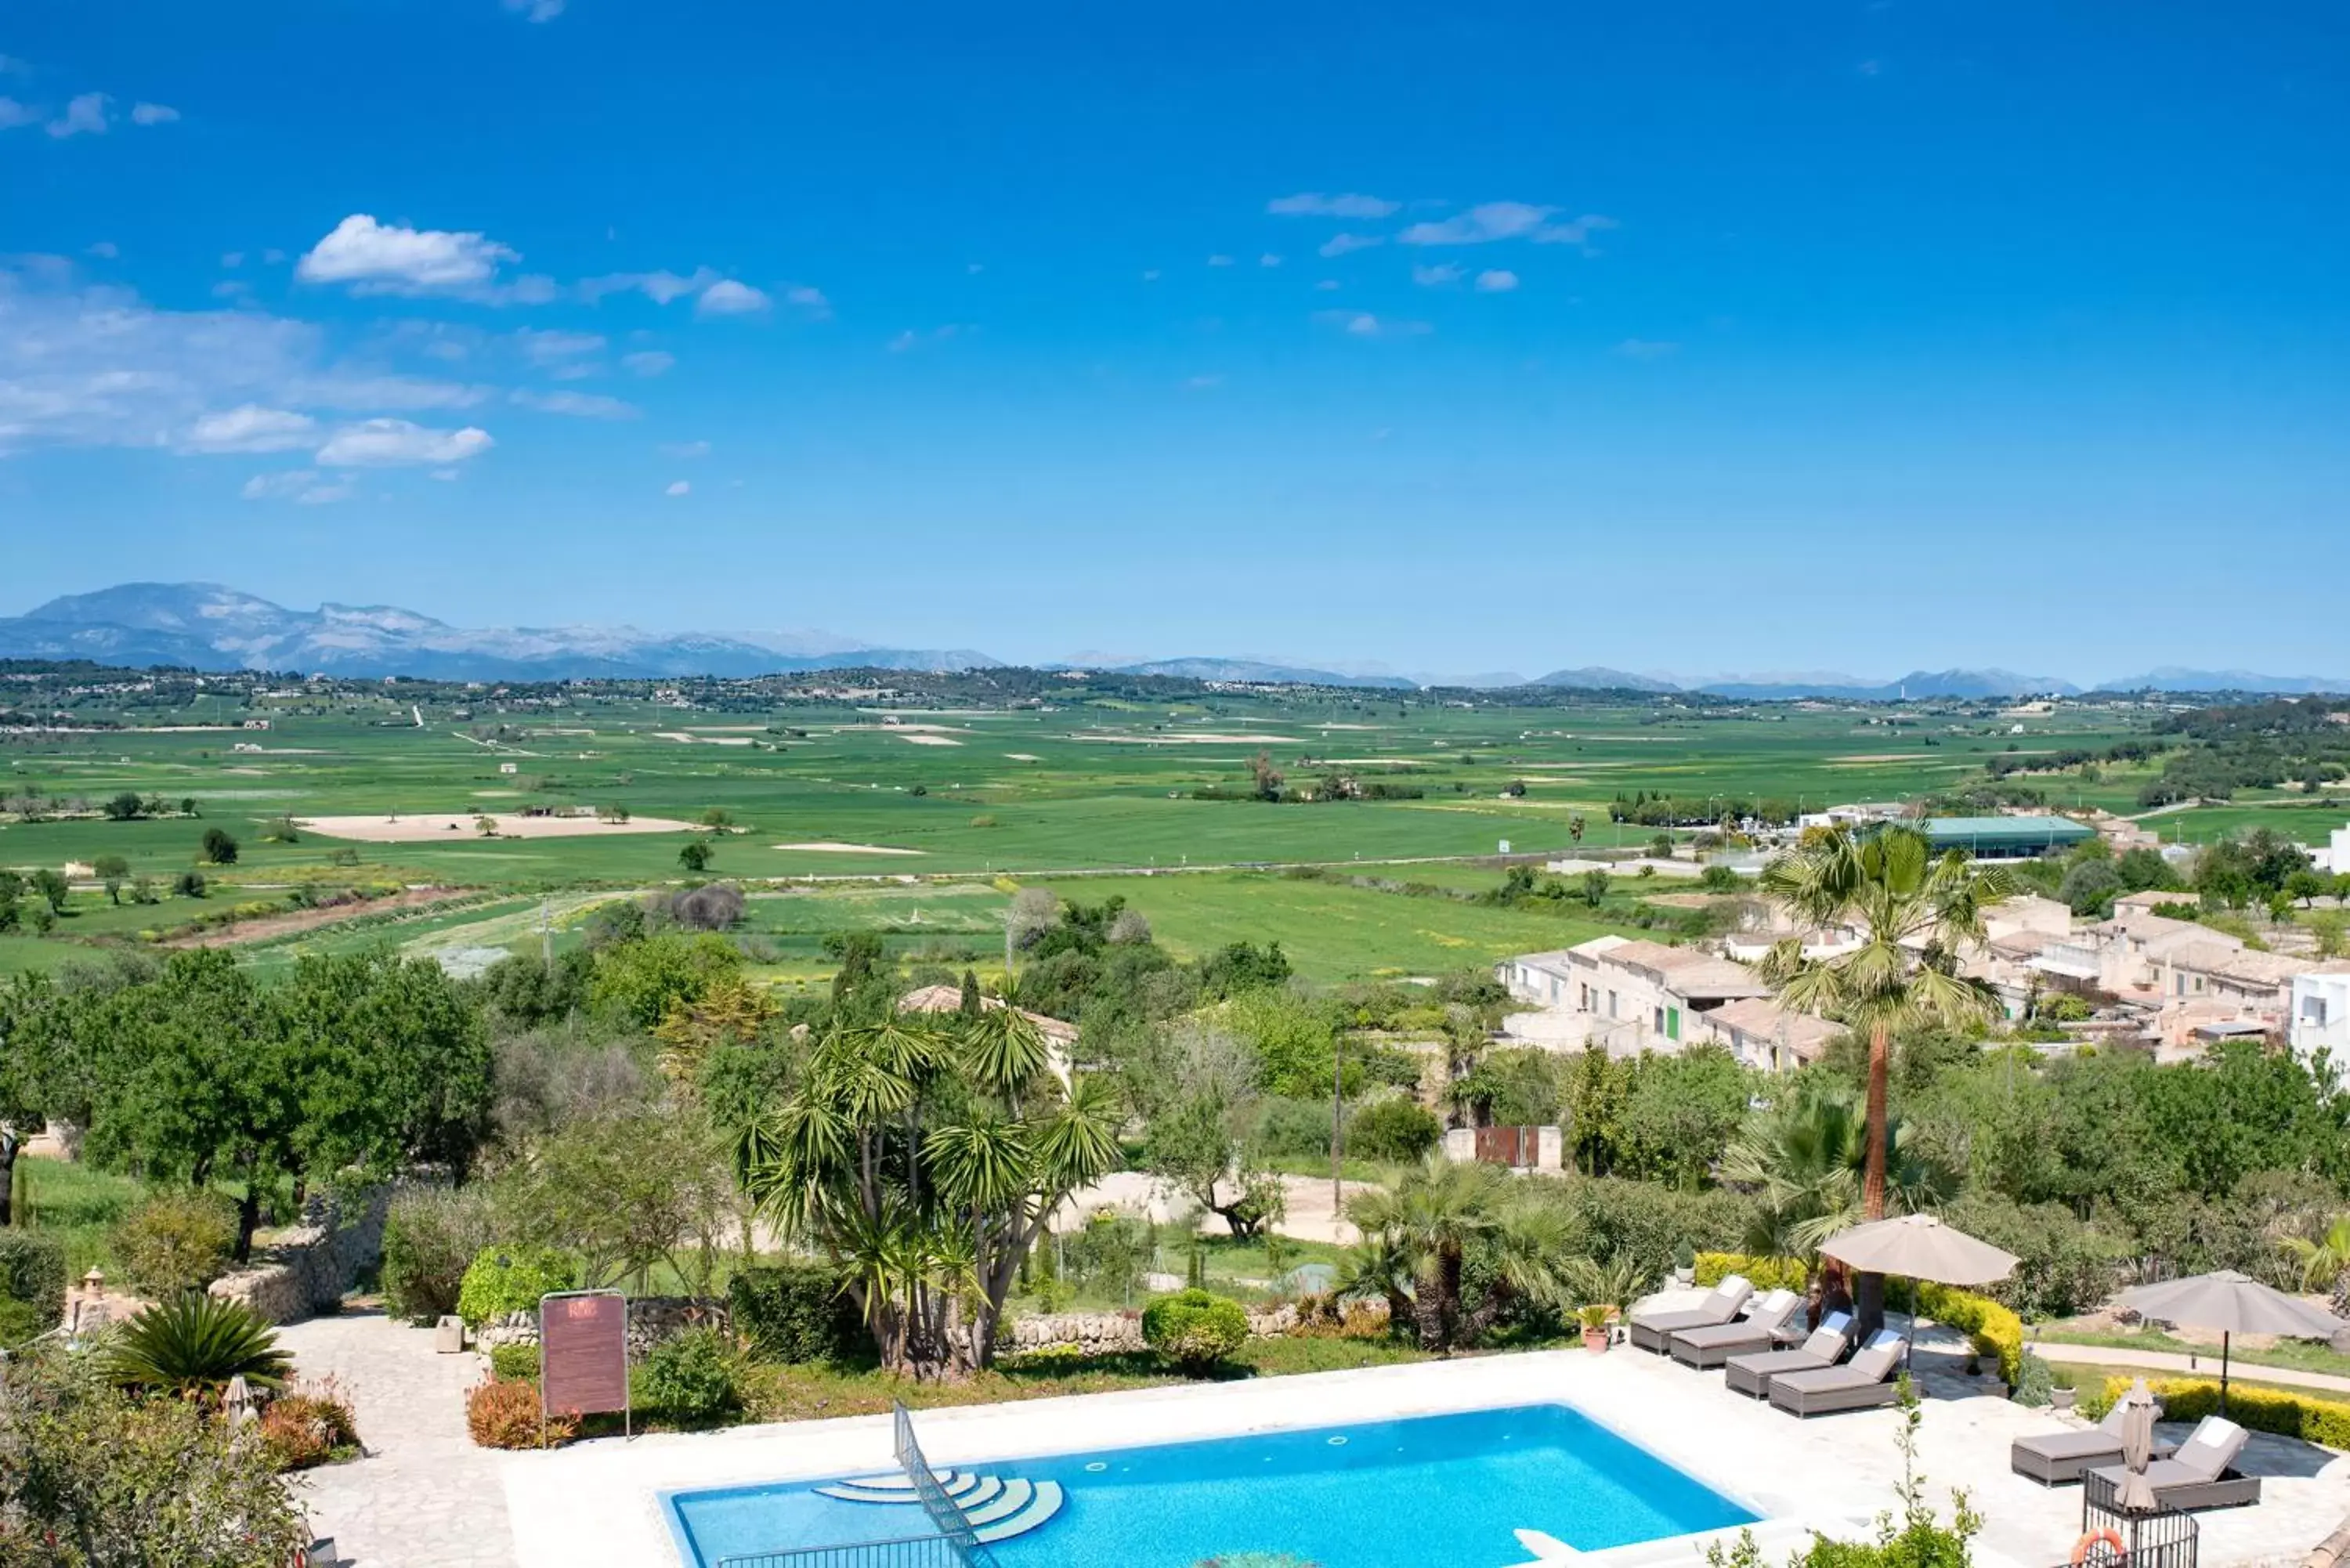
[[1044, 1500]]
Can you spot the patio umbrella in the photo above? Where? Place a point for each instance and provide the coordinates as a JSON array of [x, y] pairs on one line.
[[2136, 1494], [2233, 1303], [1920, 1247]]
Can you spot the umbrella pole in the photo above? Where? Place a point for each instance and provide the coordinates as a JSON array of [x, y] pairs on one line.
[[2223, 1371]]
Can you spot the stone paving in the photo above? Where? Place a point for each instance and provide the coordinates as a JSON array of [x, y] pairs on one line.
[[424, 1495]]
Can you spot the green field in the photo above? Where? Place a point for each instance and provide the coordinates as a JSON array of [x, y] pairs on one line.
[[976, 801]]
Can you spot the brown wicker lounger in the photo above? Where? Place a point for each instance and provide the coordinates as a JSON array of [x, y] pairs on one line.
[[1861, 1384], [1752, 1375], [1650, 1331], [1717, 1343], [2053, 1458]]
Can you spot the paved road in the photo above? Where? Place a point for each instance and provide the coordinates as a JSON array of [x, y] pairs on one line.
[[2202, 1365], [424, 1495]]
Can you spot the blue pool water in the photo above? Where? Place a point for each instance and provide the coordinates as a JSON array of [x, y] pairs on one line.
[[1435, 1491]]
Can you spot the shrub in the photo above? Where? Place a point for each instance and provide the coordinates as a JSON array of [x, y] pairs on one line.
[[515, 1362], [1193, 1329], [502, 1413], [1764, 1273], [430, 1238], [1995, 1331], [2062, 1265], [2325, 1422], [174, 1243], [194, 1344], [1646, 1222], [2035, 1383], [692, 1376], [188, 884], [309, 1426], [503, 1280], [794, 1312], [1395, 1129], [31, 1277]]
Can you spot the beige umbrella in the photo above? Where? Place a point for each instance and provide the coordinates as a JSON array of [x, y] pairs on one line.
[[1920, 1247], [2233, 1303], [2137, 1492]]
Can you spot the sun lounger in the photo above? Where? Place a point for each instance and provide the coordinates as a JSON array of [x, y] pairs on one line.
[[1651, 1330], [1752, 1375], [1861, 1384], [2201, 1474], [2053, 1458], [1758, 1330]]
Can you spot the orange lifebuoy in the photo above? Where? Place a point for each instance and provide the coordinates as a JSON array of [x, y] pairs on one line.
[[2112, 1538]]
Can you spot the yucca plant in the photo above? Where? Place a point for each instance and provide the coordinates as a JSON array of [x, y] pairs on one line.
[[192, 1344]]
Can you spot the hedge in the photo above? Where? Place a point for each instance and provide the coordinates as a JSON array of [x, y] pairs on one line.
[[795, 1311], [1994, 1331], [2326, 1422]]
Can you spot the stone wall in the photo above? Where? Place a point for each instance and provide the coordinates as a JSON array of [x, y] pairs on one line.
[[651, 1320], [306, 1270], [1108, 1333]]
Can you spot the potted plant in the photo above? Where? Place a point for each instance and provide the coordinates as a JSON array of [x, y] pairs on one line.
[[1684, 1265], [1595, 1318], [1603, 1292]]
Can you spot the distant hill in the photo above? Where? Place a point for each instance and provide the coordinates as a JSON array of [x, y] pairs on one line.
[[1916, 684], [1268, 674], [207, 627], [2171, 677], [1600, 679]]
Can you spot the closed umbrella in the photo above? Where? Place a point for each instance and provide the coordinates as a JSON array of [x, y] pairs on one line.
[[2137, 1492], [2233, 1303], [1920, 1247]]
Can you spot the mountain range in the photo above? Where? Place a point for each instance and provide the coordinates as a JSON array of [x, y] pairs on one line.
[[204, 626]]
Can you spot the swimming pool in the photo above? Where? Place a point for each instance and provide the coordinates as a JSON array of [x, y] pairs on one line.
[[1431, 1491]]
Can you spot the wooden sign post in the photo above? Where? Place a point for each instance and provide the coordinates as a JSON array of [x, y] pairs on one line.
[[583, 1356]]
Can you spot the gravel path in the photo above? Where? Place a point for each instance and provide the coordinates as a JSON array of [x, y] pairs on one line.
[[424, 1495], [2204, 1364]]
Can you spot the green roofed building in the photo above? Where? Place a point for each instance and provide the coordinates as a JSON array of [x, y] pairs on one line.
[[2005, 837]]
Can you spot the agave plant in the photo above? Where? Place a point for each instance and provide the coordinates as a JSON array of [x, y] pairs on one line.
[[192, 1344]]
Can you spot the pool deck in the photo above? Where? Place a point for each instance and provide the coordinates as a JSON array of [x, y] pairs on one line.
[[598, 1505]]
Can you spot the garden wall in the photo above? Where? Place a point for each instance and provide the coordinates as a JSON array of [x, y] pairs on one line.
[[651, 1320], [306, 1270], [1110, 1332]]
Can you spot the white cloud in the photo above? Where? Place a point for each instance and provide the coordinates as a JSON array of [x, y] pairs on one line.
[[390, 258], [1219, 260], [84, 114], [686, 448], [303, 486], [357, 389], [232, 289], [1646, 349], [273, 256], [660, 287], [728, 298], [1150, 275], [152, 114], [648, 362], [1314, 205], [810, 299], [1496, 280], [106, 250], [446, 475], [1268, 259], [1436, 277], [1363, 323], [555, 347], [679, 487], [394, 444], [248, 429], [1491, 221], [14, 114], [535, 10], [909, 339], [1339, 245], [577, 405], [231, 259]]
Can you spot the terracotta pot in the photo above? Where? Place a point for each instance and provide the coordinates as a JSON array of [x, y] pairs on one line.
[[1594, 1339]]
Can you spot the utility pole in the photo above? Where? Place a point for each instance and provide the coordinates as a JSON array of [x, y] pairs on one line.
[[1337, 1144], [546, 936]]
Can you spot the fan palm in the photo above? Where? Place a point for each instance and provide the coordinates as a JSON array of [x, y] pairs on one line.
[[2325, 1263], [1436, 1211], [1807, 1161], [192, 1344], [1902, 896]]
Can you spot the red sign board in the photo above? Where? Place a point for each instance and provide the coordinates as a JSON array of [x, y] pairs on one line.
[[582, 1344]]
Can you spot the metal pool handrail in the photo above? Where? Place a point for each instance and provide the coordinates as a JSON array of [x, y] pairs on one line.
[[913, 1552], [943, 1511]]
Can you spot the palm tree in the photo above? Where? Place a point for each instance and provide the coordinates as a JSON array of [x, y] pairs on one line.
[[1915, 910], [194, 1344], [1807, 1161], [2325, 1263], [1434, 1213]]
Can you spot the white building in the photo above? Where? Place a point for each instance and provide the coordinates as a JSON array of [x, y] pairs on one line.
[[2321, 1011], [2335, 857], [1623, 995]]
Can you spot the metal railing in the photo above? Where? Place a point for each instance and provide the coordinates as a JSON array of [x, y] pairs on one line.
[[2162, 1538], [942, 1509], [913, 1552]]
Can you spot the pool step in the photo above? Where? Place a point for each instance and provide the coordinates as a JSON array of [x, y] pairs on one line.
[[997, 1509], [1043, 1502], [898, 1487]]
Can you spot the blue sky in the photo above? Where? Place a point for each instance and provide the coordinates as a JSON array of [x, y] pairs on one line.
[[1693, 337]]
